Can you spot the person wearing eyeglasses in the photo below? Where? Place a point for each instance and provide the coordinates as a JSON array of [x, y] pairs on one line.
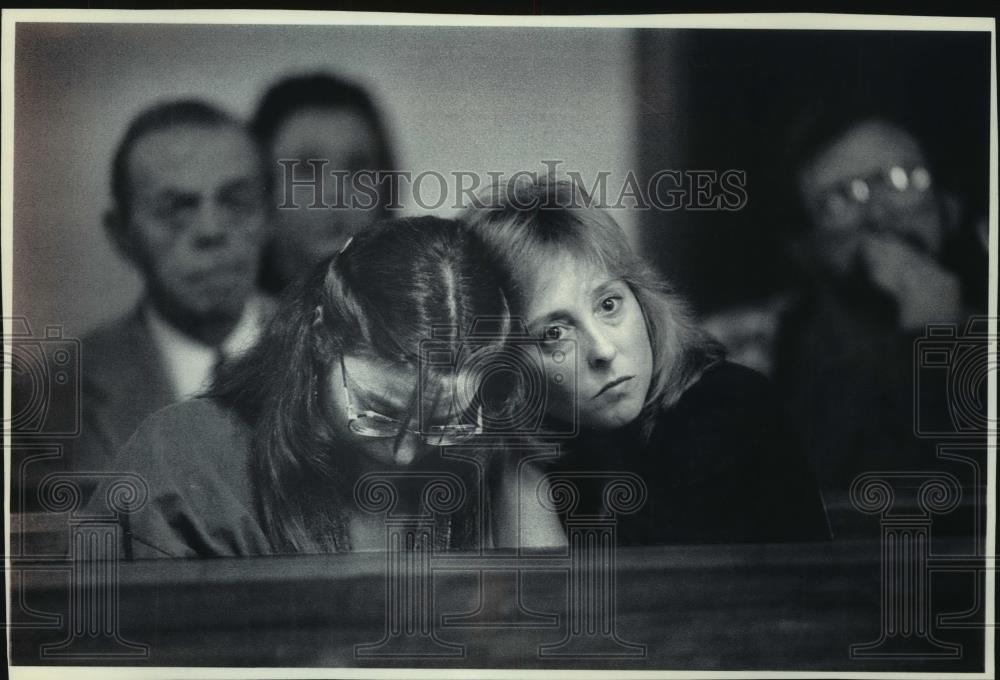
[[336, 391], [884, 252], [876, 215]]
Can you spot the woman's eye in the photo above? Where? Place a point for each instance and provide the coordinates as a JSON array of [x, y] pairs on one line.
[[611, 304], [553, 333]]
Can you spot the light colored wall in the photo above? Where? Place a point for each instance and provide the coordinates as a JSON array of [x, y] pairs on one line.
[[455, 98]]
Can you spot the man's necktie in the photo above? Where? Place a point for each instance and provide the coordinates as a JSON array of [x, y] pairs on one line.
[[213, 376]]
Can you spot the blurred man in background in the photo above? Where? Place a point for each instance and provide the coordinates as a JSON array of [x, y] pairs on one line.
[[885, 253], [189, 212], [882, 252]]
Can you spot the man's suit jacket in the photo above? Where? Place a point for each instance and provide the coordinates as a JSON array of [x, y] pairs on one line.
[[123, 381]]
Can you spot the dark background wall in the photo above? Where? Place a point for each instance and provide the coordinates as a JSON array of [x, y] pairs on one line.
[[735, 96]]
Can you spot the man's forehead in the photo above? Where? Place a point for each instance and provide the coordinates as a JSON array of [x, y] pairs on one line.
[[190, 154], [865, 148]]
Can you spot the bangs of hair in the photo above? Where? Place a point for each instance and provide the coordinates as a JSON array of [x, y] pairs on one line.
[[532, 240]]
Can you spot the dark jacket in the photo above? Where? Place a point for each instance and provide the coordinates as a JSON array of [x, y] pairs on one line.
[[723, 464]]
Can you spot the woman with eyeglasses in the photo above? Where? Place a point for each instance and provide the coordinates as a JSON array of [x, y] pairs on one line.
[[365, 386]]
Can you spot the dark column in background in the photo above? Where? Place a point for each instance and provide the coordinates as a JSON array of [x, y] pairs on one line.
[[727, 99]]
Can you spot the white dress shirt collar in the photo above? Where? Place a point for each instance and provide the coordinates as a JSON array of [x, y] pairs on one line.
[[190, 363]]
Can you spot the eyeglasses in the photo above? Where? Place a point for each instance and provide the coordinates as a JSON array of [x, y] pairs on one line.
[[845, 203], [376, 425]]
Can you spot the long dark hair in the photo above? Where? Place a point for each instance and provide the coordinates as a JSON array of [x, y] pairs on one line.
[[526, 223], [383, 294]]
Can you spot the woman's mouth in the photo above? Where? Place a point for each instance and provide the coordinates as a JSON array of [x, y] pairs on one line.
[[612, 384]]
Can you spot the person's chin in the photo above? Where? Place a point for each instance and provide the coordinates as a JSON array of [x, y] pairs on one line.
[[215, 310], [223, 295], [611, 420]]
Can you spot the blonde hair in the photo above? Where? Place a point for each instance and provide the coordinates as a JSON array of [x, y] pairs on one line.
[[524, 223]]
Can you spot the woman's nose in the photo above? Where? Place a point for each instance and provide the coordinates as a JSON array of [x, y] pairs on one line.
[[602, 349]]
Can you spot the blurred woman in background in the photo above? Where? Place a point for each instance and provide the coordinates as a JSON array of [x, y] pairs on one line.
[[318, 132]]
